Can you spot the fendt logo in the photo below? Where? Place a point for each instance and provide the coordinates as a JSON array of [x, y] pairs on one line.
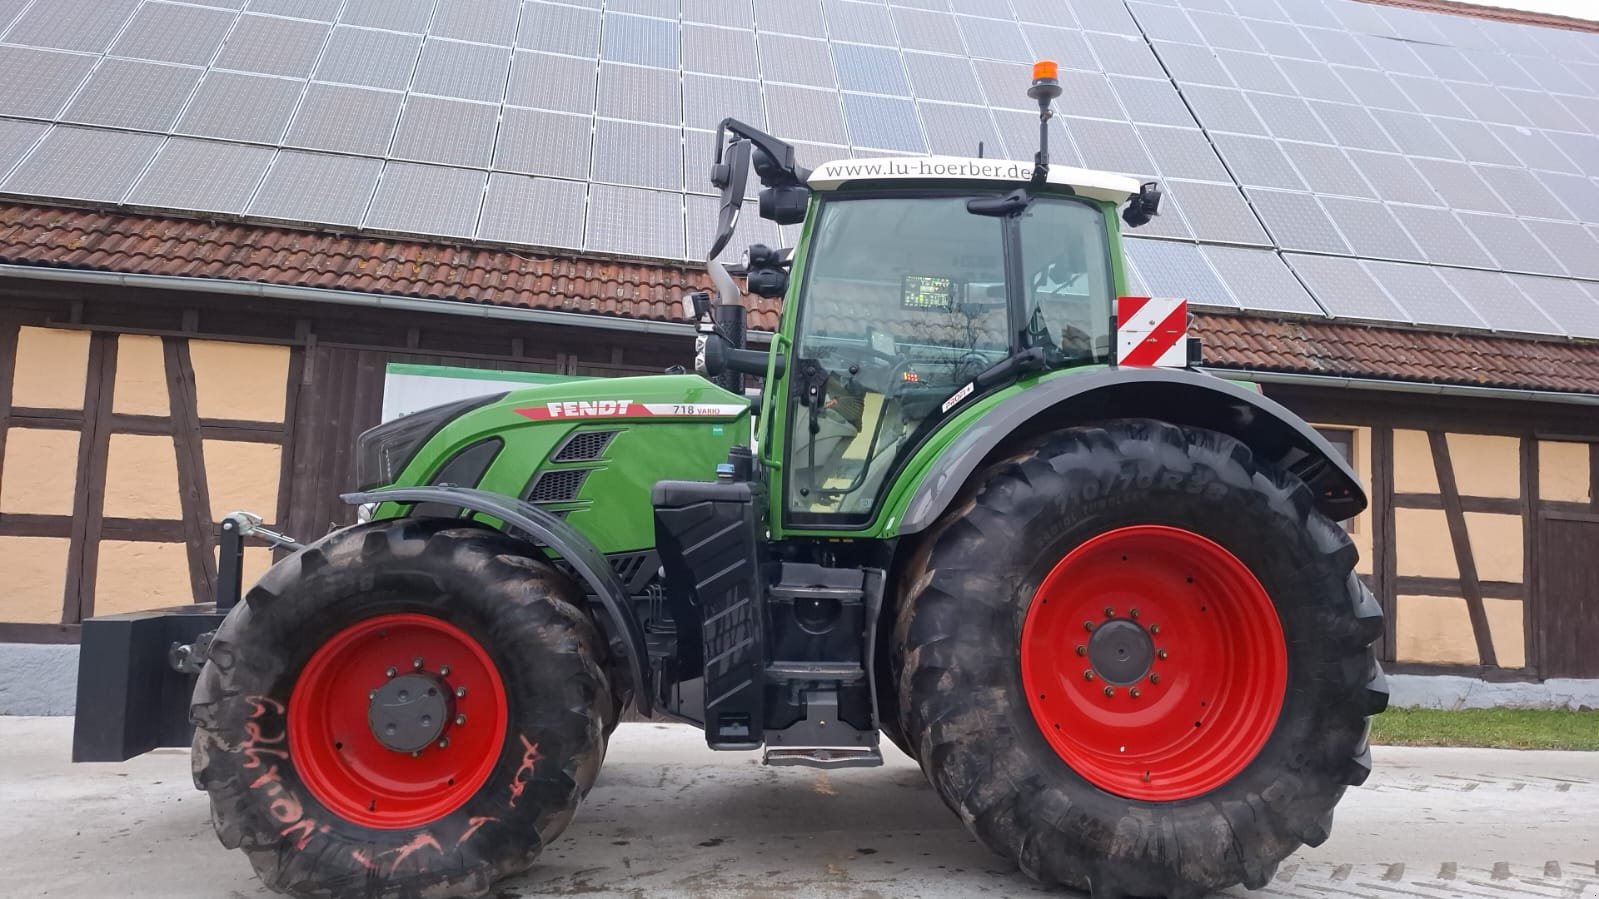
[[586, 408]]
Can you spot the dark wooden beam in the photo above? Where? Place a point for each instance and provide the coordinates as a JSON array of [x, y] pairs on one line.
[[1385, 565], [88, 504], [1470, 587], [1409, 585], [243, 435], [1532, 639], [38, 633], [1494, 504], [1593, 474], [8, 368], [290, 436], [122, 423], [1496, 675], [58, 419], [192, 489], [23, 525], [143, 530]]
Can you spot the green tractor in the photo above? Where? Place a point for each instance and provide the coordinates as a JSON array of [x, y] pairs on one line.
[[976, 506]]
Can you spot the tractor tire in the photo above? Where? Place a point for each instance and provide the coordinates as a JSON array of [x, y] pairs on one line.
[[1135, 660], [340, 643]]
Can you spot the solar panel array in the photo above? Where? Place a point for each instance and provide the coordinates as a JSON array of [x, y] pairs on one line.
[[1324, 157]]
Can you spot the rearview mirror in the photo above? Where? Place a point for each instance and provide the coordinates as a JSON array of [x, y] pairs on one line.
[[730, 172]]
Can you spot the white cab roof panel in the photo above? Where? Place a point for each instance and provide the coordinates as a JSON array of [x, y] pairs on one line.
[[1095, 185]]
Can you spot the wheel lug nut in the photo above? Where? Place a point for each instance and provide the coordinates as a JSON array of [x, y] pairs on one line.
[[1161, 654], [372, 696], [417, 754], [460, 719], [444, 742], [1110, 691], [1154, 628], [1082, 650], [392, 671], [444, 671], [1134, 613], [1110, 612], [1135, 692], [1088, 625], [417, 663], [460, 692], [1088, 675], [1154, 678]]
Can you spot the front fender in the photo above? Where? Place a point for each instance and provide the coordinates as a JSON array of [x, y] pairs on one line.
[[550, 531], [1176, 396]]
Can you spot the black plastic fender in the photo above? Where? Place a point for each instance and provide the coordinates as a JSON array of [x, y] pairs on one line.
[[1177, 396], [574, 548]]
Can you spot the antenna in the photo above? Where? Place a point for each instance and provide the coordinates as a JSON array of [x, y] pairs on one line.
[[1046, 87], [979, 149]]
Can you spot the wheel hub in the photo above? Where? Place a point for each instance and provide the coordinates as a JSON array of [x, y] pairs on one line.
[[410, 712], [1121, 652]]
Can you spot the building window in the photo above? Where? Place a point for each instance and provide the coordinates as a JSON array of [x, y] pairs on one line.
[[1343, 440]]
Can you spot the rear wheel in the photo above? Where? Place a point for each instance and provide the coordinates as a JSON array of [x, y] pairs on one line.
[[403, 708], [1137, 661]]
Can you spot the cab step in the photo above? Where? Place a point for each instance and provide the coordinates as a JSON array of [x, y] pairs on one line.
[[823, 757]]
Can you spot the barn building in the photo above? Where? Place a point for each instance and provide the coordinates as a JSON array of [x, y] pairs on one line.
[[233, 231]]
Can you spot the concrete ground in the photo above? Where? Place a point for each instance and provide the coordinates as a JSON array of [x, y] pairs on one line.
[[670, 819]]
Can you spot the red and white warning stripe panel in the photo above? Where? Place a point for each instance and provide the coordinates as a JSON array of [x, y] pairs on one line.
[[629, 409], [1151, 332]]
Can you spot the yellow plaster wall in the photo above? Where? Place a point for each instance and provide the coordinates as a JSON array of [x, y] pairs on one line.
[[1413, 471], [35, 579], [1496, 545], [1563, 472], [242, 381], [141, 377], [135, 576], [1434, 629], [1506, 624], [141, 479], [242, 476], [51, 368], [1424, 548], [1486, 465], [41, 472]]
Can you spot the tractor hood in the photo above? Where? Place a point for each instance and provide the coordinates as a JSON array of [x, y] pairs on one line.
[[1105, 186]]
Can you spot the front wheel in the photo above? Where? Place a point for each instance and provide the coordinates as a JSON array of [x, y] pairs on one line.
[[405, 708], [1137, 661]]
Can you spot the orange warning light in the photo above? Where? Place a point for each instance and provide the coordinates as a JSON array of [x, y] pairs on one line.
[[1045, 68]]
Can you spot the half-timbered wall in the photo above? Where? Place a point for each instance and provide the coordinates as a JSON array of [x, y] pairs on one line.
[[131, 422]]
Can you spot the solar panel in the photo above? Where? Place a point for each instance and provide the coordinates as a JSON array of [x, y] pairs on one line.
[[1257, 161], [1573, 246], [994, 39], [640, 41], [87, 26], [795, 60], [345, 120], [536, 142], [954, 130], [1171, 222], [1297, 222], [547, 81], [537, 211], [16, 139], [319, 10], [448, 132], [1344, 289], [637, 154], [1182, 153], [1113, 146], [1165, 23], [1351, 126], [1096, 15], [942, 78], [1568, 304], [39, 82], [1217, 212], [804, 19], [866, 68], [559, 29], [1019, 131], [660, 9], [1474, 142], [719, 51], [1086, 94], [639, 93], [1488, 104], [1582, 149], [237, 106], [1423, 294], [163, 32], [369, 58], [399, 15], [1327, 170], [1513, 247], [273, 46], [1260, 281], [461, 70], [1118, 54], [1289, 118], [1498, 301], [732, 13], [1314, 80], [1459, 185], [1001, 80], [701, 217], [866, 23], [1579, 194], [1151, 102], [1442, 238], [317, 187], [1178, 270], [126, 93], [707, 100], [204, 175], [485, 21], [1521, 192], [1189, 64], [883, 122], [1283, 39], [920, 29], [427, 199], [1373, 89], [1535, 151], [1223, 109], [812, 114], [635, 221], [83, 164]]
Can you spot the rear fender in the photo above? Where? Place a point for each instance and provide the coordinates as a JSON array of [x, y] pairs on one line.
[[1177, 396], [547, 530]]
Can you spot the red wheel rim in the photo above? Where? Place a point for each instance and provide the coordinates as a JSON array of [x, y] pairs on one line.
[[1217, 664], [342, 761]]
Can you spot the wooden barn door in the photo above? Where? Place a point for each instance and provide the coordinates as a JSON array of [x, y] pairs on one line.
[[1568, 544]]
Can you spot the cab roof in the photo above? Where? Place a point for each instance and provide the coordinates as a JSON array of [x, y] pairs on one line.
[[1096, 185]]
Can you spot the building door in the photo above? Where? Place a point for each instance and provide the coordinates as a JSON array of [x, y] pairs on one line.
[[1568, 602]]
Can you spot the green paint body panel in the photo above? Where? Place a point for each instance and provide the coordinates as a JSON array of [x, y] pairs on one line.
[[612, 508]]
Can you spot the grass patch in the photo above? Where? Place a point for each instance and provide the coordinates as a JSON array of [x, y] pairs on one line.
[[1488, 728]]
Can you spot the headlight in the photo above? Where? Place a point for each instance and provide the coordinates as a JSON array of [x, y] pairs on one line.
[[383, 452]]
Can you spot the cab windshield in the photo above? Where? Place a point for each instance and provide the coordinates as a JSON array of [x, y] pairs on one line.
[[905, 301]]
